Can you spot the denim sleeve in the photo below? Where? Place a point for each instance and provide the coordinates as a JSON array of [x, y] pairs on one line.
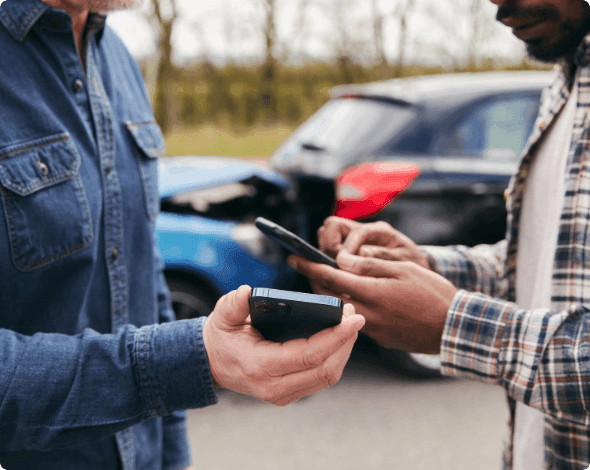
[[176, 448], [58, 391]]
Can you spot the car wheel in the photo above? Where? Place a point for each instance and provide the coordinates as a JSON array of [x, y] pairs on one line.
[[190, 300]]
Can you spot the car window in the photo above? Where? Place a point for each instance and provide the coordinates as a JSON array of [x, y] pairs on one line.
[[496, 128], [349, 127]]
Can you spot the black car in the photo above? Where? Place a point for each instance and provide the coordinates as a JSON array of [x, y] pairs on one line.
[[464, 132]]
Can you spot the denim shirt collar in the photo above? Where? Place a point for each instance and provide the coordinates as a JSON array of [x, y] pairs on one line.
[[19, 16]]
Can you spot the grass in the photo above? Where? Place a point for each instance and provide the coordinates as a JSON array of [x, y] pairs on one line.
[[209, 139]]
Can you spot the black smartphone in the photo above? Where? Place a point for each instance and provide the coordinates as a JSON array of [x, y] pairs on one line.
[[284, 315], [292, 242]]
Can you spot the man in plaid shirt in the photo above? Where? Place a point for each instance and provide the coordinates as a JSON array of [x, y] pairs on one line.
[[516, 314]]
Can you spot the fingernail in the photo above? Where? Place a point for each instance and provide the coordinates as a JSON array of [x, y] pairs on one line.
[[345, 259]]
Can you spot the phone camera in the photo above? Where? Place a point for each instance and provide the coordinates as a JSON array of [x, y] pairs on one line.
[[263, 307]]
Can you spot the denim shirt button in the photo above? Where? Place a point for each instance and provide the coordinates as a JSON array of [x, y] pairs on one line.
[[78, 86], [43, 169], [107, 169], [114, 253]]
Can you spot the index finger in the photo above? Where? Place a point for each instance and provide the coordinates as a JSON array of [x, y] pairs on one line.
[[333, 232], [363, 288], [303, 354], [373, 234], [330, 238]]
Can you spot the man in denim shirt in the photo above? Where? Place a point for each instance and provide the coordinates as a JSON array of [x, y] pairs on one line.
[[87, 378]]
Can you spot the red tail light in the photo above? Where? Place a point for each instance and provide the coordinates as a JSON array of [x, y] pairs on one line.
[[365, 189]]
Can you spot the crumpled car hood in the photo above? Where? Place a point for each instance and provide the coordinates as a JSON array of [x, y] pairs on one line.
[[188, 173]]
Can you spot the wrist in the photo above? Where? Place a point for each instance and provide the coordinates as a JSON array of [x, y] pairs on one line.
[[208, 351], [428, 261]]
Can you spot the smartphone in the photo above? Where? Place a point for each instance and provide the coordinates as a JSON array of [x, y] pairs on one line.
[[292, 242], [284, 315]]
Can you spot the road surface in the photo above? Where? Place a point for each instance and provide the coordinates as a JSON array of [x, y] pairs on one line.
[[372, 419]]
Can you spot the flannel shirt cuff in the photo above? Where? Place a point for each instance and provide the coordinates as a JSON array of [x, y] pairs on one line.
[[450, 263], [476, 269], [474, 338], [436, 258]]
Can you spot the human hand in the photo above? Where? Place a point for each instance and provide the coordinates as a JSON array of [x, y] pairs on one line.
[[375, 240], [243, 361], [404, 304]]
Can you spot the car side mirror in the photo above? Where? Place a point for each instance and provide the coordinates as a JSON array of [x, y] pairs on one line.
[[363, 190]]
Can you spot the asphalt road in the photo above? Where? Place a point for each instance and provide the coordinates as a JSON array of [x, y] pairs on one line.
[[372, 419]]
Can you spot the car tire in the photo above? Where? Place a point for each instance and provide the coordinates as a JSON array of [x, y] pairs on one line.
[[190, 300]]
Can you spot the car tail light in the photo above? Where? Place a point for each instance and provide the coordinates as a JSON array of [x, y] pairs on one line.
[[365, 189]]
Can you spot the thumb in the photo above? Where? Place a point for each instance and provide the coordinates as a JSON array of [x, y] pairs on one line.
[[371, 267], [234, 308]]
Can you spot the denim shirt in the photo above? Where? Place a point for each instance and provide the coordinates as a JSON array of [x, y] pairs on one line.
[[87, 380]]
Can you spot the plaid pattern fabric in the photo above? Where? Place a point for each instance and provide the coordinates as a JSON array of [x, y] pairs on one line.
[[540, 357]]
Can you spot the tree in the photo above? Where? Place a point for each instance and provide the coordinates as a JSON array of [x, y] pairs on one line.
[[165, 13], [479, 30], [349, 37], [402, 12], [269, 68], [378, 21], [467, 28]]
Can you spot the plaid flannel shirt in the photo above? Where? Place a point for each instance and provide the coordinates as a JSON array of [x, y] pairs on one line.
[[540, 357]]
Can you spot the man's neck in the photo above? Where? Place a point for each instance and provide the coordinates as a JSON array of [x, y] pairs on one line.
[[79, 17]]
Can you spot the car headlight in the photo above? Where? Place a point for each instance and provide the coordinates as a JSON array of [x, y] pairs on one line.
[[254, 242]]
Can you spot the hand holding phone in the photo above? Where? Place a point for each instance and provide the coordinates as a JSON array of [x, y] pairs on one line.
[[292, 242], [283, 315]]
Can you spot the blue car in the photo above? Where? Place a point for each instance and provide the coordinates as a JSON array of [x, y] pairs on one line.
[[205, 230]]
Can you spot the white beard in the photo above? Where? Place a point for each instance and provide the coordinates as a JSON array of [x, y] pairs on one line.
[[106, 6]]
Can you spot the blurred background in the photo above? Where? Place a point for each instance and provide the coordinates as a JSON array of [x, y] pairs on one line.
[[236, 77]]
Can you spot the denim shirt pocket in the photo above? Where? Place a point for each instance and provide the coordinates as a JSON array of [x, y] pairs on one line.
[[46, 208], [150, 145]]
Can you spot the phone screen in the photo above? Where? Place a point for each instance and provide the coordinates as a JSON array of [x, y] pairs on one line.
[[292, 242]]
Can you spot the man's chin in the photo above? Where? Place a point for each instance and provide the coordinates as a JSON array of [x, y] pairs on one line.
[[536, 50], [551, 53], [570, 39], [107, 6]]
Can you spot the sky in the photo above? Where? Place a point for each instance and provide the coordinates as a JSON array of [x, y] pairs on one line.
[[228, 28]]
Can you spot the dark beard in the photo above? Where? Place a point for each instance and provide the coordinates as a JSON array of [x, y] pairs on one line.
[[567, 46], [571, 36]]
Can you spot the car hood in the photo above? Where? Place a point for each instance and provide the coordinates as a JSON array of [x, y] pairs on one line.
[[188, 173]]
